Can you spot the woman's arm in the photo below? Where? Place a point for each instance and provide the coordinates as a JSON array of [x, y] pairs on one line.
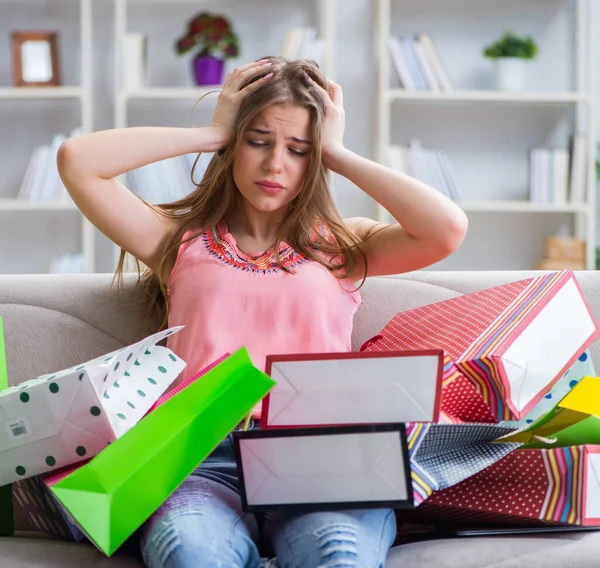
[[90, 164], [429, 225]]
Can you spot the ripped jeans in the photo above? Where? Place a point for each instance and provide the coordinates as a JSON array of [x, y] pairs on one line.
[[202, 525]]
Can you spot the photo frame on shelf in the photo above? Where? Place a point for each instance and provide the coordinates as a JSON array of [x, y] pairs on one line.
[[35, 59]]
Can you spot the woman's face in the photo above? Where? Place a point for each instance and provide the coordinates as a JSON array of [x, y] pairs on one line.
[[273, 157]]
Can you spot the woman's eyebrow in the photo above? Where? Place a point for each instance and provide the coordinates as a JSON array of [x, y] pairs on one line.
[[266, 132]]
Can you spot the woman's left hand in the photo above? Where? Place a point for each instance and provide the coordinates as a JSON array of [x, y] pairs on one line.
[[332, 137]]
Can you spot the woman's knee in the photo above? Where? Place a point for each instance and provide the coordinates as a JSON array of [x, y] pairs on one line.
[[334, 539], [202, 520]]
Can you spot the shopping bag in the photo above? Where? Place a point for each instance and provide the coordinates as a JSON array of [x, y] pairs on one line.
[[581, 368], [559, 486], [361, 466], [461, 401], [62, 418], [43, 509], [352, 388], [115, 492], [308, 469], [513, 342], [442, 455], [6, 499], [575, 420]]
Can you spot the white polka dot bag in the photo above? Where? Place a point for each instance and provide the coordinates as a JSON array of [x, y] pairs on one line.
[[37, 503], [71, 415]]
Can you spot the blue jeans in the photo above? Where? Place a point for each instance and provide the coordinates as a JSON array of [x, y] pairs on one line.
[[202, 525]]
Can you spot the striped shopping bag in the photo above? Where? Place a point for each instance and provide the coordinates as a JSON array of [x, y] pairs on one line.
[[442, 455], [506, 346], [558, 486]]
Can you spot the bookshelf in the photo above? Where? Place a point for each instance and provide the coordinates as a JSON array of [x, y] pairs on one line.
[[54, 226], [488, 134], [167, 96]]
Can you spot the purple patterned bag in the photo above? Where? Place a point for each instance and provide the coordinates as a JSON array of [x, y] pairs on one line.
[[40, 508]]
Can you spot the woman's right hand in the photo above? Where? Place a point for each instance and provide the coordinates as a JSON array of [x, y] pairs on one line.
[[233, 93]]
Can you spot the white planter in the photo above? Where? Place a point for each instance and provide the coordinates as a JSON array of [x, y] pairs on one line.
[[510, 73]]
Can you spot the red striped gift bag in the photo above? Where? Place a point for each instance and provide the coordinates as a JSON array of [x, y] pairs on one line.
[[442, 455], [558, 486], [506, 346]]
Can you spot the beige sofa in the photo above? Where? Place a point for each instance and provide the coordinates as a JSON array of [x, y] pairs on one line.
[[52, 322]]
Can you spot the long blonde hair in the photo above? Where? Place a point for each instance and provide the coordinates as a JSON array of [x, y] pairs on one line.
[[216, 197]]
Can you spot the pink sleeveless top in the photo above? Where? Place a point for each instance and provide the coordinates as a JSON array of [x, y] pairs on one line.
[[227, 300]]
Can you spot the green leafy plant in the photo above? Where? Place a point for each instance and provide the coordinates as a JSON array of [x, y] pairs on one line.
[[512, 45], [209, 35]]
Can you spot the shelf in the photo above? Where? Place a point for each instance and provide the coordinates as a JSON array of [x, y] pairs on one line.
[[16, 93], [522, 207], [24, 205], [486, 96], [173, 93]]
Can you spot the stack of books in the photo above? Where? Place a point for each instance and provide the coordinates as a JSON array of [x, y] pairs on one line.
[[168, 180], [418, 64], [303, 43], [557, 175], [430, 166], [41, 181]]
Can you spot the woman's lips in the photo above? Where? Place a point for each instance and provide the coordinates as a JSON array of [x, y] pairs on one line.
[[270, 188]]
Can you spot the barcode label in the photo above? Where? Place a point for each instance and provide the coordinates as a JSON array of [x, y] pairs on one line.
[[19, 428]]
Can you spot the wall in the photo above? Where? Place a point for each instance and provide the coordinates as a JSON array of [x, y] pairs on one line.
[[262, 24]]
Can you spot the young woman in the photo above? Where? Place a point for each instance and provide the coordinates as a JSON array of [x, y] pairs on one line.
[[258, 256]]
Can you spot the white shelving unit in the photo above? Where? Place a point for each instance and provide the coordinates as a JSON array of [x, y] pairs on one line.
[[322, 13], [325, 23], [575, 97], [44, 212]]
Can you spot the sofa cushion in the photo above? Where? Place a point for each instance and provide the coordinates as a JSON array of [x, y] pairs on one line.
[[556, 550], [44, 553], [52, 322]]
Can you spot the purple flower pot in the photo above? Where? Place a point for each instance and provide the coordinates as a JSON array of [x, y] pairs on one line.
[[208, 70]]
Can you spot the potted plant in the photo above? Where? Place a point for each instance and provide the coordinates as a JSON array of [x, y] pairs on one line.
[[212, 40], [511, 55]]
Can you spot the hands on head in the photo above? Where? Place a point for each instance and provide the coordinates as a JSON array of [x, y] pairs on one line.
[[248, 78]]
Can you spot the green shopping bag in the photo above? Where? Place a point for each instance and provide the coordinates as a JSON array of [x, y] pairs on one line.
[[6, 499], [111, 496]]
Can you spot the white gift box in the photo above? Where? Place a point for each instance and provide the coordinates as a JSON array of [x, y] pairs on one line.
[[353, 388], [324, 468], [62, 418]]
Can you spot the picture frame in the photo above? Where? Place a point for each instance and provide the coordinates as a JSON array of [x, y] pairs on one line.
[[35, 59]]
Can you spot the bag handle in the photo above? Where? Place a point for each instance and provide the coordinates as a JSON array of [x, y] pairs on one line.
[[370, 342]]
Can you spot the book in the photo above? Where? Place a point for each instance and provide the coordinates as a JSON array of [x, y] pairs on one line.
[[418, 64]]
